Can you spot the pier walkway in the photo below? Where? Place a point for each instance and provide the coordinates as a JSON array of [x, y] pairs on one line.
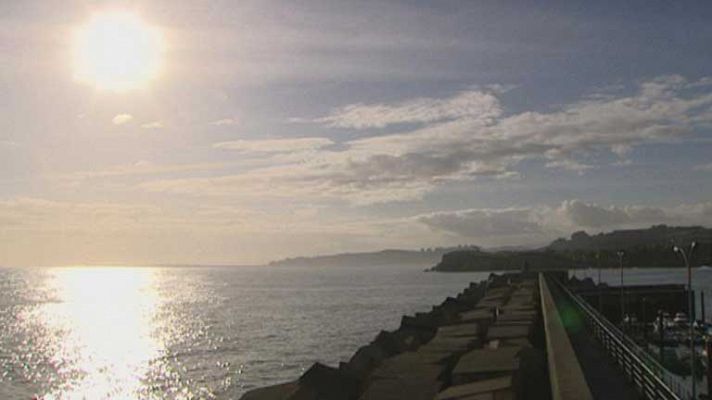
[[605, 379], [514, 336]]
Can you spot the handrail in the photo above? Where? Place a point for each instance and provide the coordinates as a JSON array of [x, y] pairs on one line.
[[651, 378]]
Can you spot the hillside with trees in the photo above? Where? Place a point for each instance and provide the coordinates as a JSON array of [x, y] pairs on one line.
[[641, 248]]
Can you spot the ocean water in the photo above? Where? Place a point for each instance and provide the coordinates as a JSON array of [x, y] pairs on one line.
[[204, 333], [194, 333]]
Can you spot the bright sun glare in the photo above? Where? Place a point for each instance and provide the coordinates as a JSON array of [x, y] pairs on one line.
[[117, 51]]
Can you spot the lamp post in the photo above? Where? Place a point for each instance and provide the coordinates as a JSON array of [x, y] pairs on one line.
[[621, 254], [686, 258], [644, 322], [573, 258], [598, 265], [583, 266]]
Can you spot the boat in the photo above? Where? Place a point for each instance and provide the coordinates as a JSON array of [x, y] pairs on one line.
[[667, 322], [680, 318]]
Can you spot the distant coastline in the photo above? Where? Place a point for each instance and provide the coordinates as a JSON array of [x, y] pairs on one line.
[[641, 248], [423, 258], [649, 247]]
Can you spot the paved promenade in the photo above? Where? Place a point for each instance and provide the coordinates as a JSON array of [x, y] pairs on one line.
[[490, 342], [603, 376]]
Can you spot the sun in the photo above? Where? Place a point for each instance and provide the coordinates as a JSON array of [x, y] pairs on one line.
[[116, 50]]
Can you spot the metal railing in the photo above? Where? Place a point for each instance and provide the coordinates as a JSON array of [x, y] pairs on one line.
[[651, 379]]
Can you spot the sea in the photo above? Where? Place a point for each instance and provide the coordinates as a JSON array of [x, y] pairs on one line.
[[211, 332]]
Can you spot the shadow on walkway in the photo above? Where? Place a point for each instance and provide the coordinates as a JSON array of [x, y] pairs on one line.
[[604, 377]]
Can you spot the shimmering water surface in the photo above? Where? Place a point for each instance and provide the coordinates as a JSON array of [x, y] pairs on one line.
[[183, 333]]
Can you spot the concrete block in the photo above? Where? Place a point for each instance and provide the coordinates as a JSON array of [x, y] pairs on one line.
[[486, 363], [508, 331], [275, 392], [324, 382], [498, 388], [364, 360], [469, 329]]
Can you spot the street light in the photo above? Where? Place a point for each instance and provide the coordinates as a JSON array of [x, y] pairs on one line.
[[598, 265], [573, 257], [686, 258], [621, 254]]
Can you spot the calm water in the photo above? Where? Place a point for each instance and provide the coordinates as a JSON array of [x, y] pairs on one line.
[[182, 333]]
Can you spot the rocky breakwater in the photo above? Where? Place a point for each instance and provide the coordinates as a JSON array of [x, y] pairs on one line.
[[485, 343]]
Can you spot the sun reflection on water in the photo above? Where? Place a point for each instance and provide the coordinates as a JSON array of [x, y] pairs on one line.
[[104, 317]]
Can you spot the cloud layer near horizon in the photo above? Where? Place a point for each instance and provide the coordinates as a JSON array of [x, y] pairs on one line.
[[571, 215], [195, 232]]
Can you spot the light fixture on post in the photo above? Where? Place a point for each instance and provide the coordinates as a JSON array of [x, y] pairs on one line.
[[621, 254], [686, 258]]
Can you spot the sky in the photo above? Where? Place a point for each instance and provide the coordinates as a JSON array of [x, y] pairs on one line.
[[277, 129]]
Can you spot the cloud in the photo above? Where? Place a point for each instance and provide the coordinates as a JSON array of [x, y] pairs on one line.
[[275, 145], [300, 182], [540, 223], [225, 122], [122, 119], [45, 216], [56, 216], [152, 125], [471, 104], [140, 168], [461, 149], [52, 216], [703, 167], [591, 215], [37, 231], [462, 138], [484, 222]]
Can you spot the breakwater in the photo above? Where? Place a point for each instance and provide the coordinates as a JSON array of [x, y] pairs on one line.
[[487, 340]]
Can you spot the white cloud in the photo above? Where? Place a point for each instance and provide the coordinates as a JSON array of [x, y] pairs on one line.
[[461, 142], [703, 167], [571, 165], [484, 222], [275, 145], [140, 168], [471, 104], [661, 110], [591, 215], [122, 119], [541, 223], [225, 122]]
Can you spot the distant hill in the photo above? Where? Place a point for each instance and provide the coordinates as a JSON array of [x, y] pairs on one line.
[[423, 257], [650, 247], [658, 235], [478, 260]]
